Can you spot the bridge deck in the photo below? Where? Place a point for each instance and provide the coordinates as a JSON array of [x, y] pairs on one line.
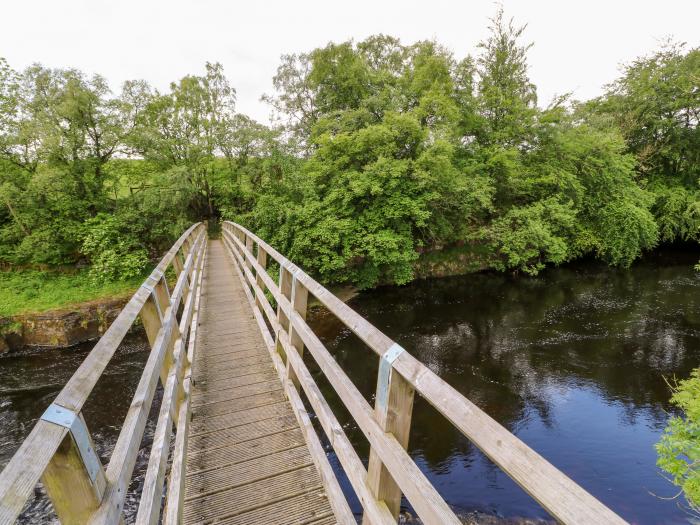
[[247, 460]]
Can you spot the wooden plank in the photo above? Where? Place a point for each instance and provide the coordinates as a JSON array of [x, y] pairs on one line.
[[565, 500], [226, 407], [243, 430], [239, 434], [206, 459], [121, 463], [339, 504], [376, 510], [151, 493], [176, 485], [239, 418], [299, 299], [227, 477], [227, 396], [260, 493], [299, 510], [21, 474]]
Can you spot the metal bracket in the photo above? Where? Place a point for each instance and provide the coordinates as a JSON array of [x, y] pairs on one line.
[[385, 366], [65, 418]]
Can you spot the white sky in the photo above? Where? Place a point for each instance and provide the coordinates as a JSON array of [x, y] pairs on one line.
[[578, 45]]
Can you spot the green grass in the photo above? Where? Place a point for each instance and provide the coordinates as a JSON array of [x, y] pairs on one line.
[[29, 291]]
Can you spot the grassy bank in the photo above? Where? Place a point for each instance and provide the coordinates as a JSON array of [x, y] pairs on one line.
[[27, 291]]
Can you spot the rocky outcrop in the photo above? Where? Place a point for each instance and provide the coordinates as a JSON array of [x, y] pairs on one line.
[[59, 328]]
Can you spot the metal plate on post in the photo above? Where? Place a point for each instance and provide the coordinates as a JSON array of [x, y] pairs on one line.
[[63, 417], [385, 366]]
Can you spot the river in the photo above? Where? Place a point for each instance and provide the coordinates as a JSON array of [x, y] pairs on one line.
[[574, 362]]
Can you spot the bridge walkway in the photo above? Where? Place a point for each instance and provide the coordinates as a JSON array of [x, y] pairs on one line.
[[247, 459]]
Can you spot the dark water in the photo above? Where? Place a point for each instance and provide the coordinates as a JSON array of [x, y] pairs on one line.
[[31, 380], [573, 362]]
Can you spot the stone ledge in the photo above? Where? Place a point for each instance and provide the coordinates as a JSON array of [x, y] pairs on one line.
[[60, 328]]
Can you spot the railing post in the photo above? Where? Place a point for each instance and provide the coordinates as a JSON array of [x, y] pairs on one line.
[[177, 263], [393, 409], [299, 300], [285, 286], [262, 261], [249, 248], [152, 316], [74, 478]]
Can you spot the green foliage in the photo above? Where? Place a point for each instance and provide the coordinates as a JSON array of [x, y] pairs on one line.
[[382, 151], [679, 447], [529, 237], [114, 254], [27, 291]]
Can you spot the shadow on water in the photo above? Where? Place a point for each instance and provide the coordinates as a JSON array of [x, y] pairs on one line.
[[29, 382], [573, 362]]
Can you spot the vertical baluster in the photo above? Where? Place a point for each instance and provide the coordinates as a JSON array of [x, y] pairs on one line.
[[393, 409]]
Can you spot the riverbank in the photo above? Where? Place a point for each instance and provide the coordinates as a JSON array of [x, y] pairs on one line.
[[54, 309]]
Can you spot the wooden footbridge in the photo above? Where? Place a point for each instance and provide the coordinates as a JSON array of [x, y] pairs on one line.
[[234, 442]]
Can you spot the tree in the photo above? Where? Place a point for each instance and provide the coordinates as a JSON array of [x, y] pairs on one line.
[[184, 130]]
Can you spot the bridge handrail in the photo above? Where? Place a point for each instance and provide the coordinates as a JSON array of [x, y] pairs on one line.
[[59, 449], [391, 471]]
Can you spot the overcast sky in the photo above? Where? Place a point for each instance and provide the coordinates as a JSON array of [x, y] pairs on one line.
[[579, 46]]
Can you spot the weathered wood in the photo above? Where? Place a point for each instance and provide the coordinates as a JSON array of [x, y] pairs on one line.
[[210, 487], [176, 483], [249, 248], [557, 493], [21, 474], [75, 496], [299, 299], [374, 509], [121, 463], [285, 288], [262, 263], [341, 510], [425, 499], [151, 495], [392, 409]]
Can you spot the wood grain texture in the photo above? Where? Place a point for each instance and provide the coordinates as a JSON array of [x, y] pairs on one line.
[[20, 475], [247, 460], [557, 493]]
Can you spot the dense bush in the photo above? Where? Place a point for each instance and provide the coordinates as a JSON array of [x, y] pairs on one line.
[[679, 448], [384, 151]]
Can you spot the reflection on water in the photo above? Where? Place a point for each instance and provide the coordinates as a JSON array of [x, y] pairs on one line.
[[30, 381], [573, 362]]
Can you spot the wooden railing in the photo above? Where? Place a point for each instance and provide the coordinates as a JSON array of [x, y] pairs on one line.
[[59, 449], [391, 471]]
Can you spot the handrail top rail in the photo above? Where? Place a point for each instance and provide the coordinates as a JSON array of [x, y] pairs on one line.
[[78, 388], [366, 331], [35, 454], [555, 491]]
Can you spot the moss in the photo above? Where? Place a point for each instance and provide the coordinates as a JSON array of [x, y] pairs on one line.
[[9, 326]]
